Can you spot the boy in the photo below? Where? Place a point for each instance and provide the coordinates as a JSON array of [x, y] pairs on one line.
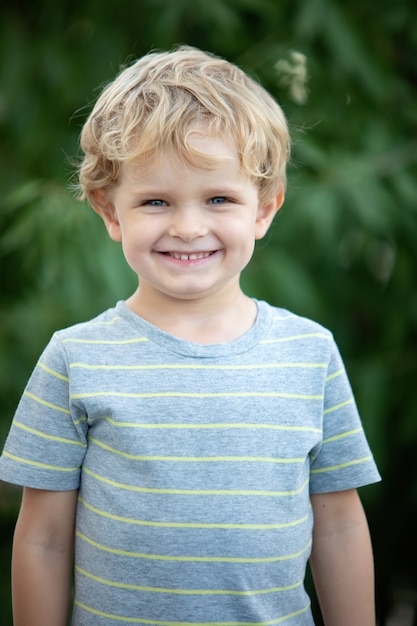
[[187, 438]]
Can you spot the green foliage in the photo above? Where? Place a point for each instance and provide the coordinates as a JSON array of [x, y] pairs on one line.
[[343, 250]]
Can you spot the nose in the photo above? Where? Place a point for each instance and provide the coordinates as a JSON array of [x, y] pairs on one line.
[[188, 223]]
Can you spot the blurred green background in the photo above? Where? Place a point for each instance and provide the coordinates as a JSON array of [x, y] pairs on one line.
[[342, 251]]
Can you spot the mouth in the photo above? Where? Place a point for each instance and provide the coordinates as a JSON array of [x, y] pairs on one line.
[[192, 256]]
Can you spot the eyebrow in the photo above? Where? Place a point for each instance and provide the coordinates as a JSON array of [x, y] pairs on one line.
[[208, 189]]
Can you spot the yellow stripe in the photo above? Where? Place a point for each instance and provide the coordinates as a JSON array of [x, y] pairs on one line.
[[41, 465], [282, 317], [137, 522], [337, 406], [181, 394], [199, 367], [202, 559], [45, 436], [198, 459], [341, 466], [53, 372], [220, 425], [45, 403], [186, 592], [348, 433], [116, 318], [139, 620], [334, 375], [193, 492], [296, 337]]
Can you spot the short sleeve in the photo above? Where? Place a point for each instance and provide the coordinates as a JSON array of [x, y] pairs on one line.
[[344, 459], [46, 444]]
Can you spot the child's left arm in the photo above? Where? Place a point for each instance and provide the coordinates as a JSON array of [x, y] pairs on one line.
[[341, 560]]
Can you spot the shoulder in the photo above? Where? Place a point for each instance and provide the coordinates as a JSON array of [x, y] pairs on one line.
[[285, 324], [107, 324], [296, 338], [104, 332]]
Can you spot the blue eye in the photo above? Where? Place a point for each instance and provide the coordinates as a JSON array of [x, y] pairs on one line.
[[218, 200], [155, 202]]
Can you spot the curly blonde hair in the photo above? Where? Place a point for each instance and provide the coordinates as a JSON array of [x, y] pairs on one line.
[[155, 103]]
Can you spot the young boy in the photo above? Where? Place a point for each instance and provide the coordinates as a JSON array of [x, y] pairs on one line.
[[198, 446]]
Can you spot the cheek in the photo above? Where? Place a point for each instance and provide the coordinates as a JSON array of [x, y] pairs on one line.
[[139, 237], [238, 235], [241, 238]]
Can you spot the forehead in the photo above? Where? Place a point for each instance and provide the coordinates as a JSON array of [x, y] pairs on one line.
[[199, 151], [213, 146]]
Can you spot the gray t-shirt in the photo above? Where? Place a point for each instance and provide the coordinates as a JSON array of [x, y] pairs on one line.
[[194, 463]]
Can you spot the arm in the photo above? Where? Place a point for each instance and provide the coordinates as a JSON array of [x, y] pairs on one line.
[[42, 558], [341, 560]]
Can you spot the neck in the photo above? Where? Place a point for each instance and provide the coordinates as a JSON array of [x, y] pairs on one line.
[[218, 320]]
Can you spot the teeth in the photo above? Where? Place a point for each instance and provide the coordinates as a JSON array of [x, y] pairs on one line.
[[190, 257]]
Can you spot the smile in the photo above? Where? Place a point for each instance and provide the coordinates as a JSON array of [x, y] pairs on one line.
[[193, 256]]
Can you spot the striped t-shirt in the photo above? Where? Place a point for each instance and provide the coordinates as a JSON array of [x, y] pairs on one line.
[[194, 463]]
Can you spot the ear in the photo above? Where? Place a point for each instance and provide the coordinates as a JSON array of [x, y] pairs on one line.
[[102, 204], [266, 213]]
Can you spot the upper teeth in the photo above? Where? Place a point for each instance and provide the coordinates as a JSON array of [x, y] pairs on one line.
[[190, 257]]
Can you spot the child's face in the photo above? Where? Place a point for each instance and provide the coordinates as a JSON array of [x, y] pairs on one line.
[[187, 232]]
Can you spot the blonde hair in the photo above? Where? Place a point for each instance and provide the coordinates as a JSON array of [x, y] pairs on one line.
[[153, 105]]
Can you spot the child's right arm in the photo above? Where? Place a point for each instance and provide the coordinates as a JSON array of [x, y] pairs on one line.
[[42, 558]]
